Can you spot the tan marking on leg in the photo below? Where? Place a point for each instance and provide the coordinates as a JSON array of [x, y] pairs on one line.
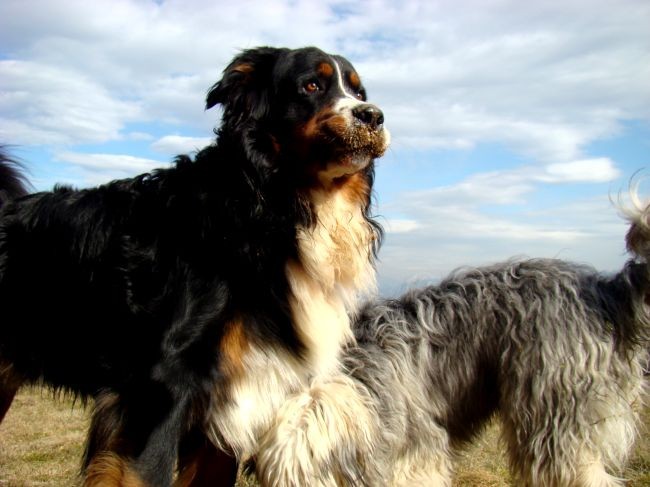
[[110, 470]]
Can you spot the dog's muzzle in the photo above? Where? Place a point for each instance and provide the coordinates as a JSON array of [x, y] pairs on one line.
[[370, 115]]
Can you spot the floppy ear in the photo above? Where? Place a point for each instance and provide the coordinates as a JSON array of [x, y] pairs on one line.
[[243, 88]]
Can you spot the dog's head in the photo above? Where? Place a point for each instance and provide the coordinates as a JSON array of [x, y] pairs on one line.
[[301, 108]]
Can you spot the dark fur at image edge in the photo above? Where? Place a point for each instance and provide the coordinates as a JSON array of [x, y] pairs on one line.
[[147, 294], [556, 350], [14, 184]]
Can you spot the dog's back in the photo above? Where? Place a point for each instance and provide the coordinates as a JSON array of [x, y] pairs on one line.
[[555, 349]]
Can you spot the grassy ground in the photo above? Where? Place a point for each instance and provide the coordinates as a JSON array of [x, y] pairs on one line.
[[41, 441], [41, 444]]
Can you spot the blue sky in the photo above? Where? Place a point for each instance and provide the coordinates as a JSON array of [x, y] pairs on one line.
[[513, 123]]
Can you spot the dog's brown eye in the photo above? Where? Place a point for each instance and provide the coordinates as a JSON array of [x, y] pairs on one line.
[[311, 87]]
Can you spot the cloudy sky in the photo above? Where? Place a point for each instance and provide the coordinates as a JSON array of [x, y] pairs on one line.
[[513, 122]]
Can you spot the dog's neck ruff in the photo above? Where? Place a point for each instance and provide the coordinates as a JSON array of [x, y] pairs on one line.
[[333, 268]]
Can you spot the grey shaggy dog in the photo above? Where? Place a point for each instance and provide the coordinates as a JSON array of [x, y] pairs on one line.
[[557, 350]]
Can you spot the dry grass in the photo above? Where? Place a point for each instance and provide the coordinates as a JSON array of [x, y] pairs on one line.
[[41, 444], [41, 441]]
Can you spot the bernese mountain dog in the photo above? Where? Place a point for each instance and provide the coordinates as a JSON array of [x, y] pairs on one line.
[[205, 293]]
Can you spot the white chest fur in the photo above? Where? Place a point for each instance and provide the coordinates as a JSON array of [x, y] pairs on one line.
[[271, 375], [333, 268]]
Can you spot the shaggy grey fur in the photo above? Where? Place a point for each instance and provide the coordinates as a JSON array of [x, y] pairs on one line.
[[555, 349]]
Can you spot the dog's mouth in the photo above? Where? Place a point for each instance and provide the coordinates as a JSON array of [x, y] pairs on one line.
[[345, 146], [354, 149], [360, 140]]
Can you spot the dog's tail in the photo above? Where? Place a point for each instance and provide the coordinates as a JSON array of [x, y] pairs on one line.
[[637, 239], [633, 282], [12, 181]]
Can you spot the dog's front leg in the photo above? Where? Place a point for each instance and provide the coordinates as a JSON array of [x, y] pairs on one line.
[[133, 439]]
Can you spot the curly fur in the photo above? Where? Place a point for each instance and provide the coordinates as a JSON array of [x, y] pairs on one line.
[[555, 349]]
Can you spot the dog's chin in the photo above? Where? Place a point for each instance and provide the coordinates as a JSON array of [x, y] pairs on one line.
[[346, 165], [356, 151]]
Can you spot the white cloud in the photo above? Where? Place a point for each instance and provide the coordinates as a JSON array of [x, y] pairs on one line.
[[139, 136], [449, 226], [48, 105], [101, 168], [395, 225], [504, 187], [585, 170], [176, 144], [544, 78], [113, 162], [589, 231]]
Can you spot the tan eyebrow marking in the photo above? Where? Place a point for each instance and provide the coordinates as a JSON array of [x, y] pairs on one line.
[[354, 79], [325, 69], [244, 68]]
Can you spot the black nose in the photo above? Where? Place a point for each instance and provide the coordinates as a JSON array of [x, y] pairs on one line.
[[369, 114]]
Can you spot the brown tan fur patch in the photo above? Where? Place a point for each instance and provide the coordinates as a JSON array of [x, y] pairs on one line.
[[105, 425], [313, 129], [244, 68], [354, 79], [325, 69], [314, 126], [354, 188], [111, 470], [234, 345]]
